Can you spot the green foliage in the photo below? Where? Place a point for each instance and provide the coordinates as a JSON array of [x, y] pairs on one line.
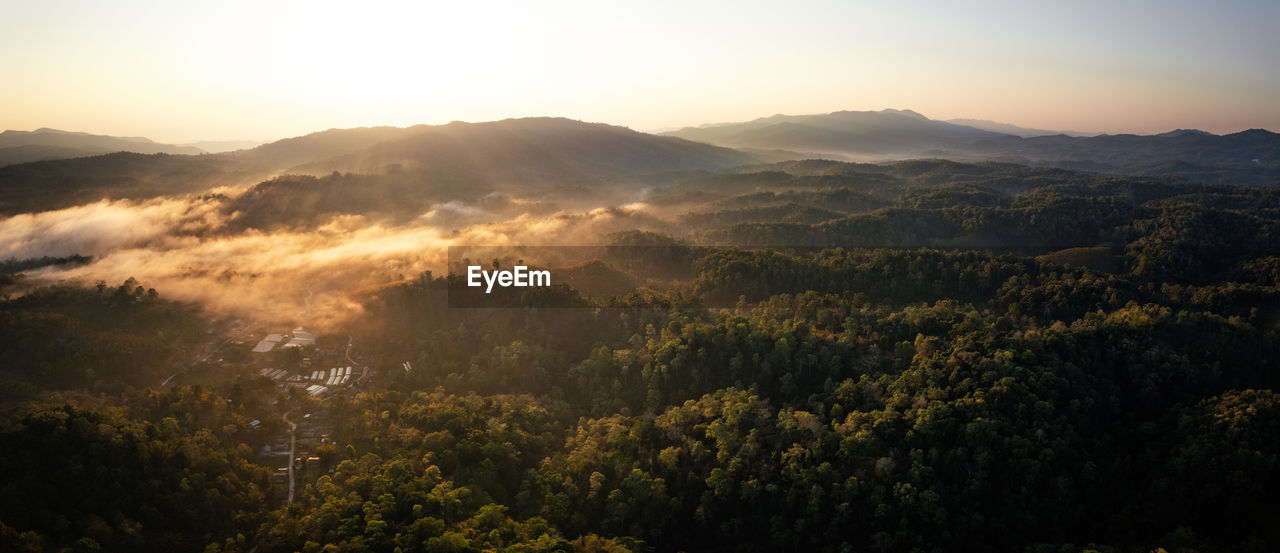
[[877, 399], [93, 338], [988, 355], [99, 476]]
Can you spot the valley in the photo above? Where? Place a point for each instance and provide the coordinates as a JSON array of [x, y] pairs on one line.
[[812, 354]]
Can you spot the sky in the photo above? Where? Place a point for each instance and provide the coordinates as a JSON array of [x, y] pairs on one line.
[[185, 71]]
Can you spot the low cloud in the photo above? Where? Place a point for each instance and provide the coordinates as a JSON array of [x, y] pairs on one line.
[[181, 248], [95, 229]]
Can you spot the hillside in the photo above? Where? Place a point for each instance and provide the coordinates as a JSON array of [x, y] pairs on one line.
[[53, 184], [44, 144], [905, 355], [1247, 157], [886, 133], [1006, 128], [526, 155], [538, 148]]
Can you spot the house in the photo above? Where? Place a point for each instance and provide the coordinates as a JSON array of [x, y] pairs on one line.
[[280, 476]]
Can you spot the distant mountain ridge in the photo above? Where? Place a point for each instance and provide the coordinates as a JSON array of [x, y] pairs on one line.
[[552, 144], [1248, 157], [220, 146], [45, 143], [1006, 128], [888, 132], [542, 155], [532, 154]]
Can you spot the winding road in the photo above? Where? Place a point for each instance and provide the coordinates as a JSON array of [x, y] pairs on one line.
[[364, 369], [293, 442]]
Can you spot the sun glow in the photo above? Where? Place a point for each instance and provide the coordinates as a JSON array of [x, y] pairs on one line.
[[269, 70]]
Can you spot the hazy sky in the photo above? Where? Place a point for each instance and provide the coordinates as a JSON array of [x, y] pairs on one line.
[[183, 71]]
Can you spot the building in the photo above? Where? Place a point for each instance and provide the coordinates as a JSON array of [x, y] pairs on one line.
[[268, 343], [301, 338]]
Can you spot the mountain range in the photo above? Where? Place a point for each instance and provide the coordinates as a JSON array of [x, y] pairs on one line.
[[529, 155], [44, 144], [1006, 128], [1247, 157], [539, 146], [851, 134], [542, 154]]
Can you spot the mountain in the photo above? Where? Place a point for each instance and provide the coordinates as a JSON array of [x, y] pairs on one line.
[[1006, 128], [1184, 132], [219, 146], [43, 144], [526, 155], [310, 148], [551, 160], [59, 183], [881, 134], [1248, 157], [515, 149], [553, 145]]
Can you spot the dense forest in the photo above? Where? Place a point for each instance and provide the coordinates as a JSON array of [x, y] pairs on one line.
[[918, 356]]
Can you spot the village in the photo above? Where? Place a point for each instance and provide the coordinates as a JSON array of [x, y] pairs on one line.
[[295, 363]]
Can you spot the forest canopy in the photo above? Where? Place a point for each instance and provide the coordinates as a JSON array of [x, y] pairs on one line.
[[817, 356]]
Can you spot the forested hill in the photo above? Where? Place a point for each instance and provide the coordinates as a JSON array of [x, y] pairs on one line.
[[533, 153], [548, 145], [1247, 157], [929, 356], [42, 144]]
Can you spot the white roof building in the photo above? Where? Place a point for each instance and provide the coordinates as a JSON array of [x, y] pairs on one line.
[[268, 343], [302, 338]]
